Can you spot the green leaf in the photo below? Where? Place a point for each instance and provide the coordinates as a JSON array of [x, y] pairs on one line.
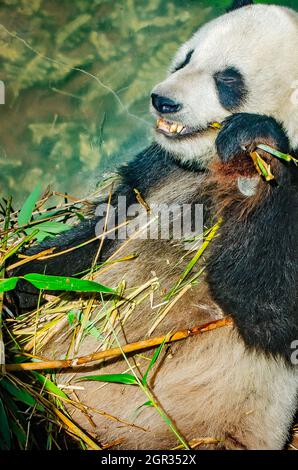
[[80, 216], [153, 360], [71, 316], [20, 394], [147, 403], [19, 433], [18, 420], [8, 284], [47, 229], [42, 281], [49, 385], [93, 331], [41, 236], [127, 379], [276, 153], [262, 167], [5, 437], [53, 227], [48, 214], [25, 214]]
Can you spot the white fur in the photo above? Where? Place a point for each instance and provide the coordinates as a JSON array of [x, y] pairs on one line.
[[259, 40]]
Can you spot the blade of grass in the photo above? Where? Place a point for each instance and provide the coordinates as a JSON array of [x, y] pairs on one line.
[[127, 379], [154, 359], [26, 211]]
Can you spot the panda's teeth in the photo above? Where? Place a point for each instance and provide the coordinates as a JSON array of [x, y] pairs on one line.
[[171, 127], [184, 131]]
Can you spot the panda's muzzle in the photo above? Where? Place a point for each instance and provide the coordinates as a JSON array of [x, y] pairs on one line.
[[170, 128]]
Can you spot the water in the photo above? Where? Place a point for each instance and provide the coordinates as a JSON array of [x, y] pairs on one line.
[[64, 126]]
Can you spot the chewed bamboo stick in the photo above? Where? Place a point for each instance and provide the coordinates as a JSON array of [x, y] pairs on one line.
[[116, 352]]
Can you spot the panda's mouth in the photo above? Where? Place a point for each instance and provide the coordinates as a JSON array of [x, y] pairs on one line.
[[176, 130]]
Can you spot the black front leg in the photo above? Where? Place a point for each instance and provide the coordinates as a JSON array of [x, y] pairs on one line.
[[253, 266]]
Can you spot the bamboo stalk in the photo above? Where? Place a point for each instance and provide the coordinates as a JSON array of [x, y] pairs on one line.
[[116, 352]]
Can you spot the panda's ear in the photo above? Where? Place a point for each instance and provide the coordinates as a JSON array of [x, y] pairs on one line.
[[239, 4]]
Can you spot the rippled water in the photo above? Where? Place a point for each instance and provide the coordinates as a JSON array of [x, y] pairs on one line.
[[77, 78]]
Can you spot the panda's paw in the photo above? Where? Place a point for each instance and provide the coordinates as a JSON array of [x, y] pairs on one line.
[[243, 132]]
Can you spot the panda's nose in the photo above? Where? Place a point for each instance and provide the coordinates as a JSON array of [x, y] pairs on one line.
[[165, 105]]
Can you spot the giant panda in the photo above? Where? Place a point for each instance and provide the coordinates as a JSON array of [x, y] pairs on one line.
[[236, 384]]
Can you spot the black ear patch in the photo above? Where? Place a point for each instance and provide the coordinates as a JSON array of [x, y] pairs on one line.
[[239, 4]]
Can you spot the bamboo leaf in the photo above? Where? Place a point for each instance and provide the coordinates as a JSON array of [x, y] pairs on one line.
[[41, 236], [48, 214], [25, 214], [8, 284], [5, 437], [127, 379], [72, 316], [19, 433], [20, 394], [42, 281], [276, 153], [147, 403], [154, 359], [49, 385], [53, 227]]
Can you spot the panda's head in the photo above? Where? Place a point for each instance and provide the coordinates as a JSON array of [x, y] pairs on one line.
[[243, 61]]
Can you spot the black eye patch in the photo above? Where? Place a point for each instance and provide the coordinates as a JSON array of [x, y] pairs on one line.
[[231, 88], [185, 62]]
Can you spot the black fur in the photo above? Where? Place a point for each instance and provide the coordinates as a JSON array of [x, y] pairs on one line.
[[231, 88], [145, 170], [239, 4], [245, 131], [185, 62], [253, 269]]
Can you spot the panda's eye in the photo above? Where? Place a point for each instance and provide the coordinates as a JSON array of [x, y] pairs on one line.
[[228, 76], [227, 80], [185, 62], [231, 87]]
